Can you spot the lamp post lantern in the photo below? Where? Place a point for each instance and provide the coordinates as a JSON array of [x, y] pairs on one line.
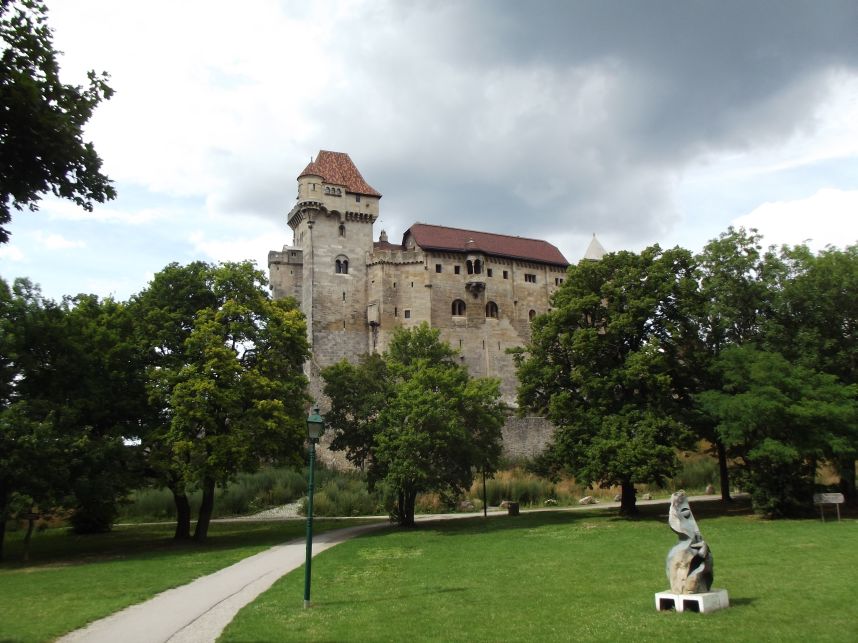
[[315, 428]]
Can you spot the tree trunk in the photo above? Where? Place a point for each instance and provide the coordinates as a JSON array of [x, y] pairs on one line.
[[206, 507], [722, 471], [628, 502], [406, 499], [183, 515], [2, 532], [846, 469], [30, 523]]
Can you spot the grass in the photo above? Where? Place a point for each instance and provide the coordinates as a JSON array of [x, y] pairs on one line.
[[72, 580], [566, 576]]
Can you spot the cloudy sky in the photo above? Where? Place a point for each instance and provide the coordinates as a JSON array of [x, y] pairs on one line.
[[642, 122]]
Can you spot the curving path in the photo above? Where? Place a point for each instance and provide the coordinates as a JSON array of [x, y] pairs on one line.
[[199, 611]]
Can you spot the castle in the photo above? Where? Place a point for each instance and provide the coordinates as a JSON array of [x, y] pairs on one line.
[[480, 289]]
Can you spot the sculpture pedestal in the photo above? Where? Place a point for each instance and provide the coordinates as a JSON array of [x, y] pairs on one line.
[[705, 602]]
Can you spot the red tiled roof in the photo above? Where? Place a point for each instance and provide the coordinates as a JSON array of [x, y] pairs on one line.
[[433, 237], [337, 168]]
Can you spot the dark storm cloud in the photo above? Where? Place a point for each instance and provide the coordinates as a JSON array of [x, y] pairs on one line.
[[574, 116]]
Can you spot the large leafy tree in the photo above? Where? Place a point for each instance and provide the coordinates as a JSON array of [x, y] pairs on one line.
[[240, 396], [814, 323], [730, 309], [63, 443], [42, 119], [778, 418], [166, 311], [415, 419], [602, 367]]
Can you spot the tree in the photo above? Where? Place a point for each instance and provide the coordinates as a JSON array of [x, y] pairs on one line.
[[814, 323], [778, 419], [732, 308], [414, 418], [165, 312], [42, 120], [240, 396], [601, 366]]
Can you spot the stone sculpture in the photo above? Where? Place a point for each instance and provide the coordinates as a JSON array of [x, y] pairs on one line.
[[689, 563]]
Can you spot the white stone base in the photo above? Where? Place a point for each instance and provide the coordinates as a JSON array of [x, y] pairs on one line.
[[706, 602]]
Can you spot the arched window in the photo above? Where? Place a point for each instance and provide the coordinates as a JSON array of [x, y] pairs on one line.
[[492, 310], [342, 230], [478, 267], [458, 308], [341, 266], [470, 265], [531, 315]]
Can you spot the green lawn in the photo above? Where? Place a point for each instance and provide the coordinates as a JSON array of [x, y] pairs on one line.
[[72, 580], [567, 576]]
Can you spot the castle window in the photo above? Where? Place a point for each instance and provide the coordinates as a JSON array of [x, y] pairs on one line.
[[529, 278], [505, 274], [488, 272], [342, 230], [470, 266], [458, 308], [395, 311], [531, 315], [492, 310], [357, 198], [437, 267], [457, 269], [313, 187], [407, 313], [341, 266], [327, 190], [478, 267]]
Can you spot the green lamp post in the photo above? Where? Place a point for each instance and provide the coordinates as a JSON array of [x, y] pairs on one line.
[[315, 428]]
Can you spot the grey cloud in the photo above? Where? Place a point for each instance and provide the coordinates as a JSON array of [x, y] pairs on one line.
[[525, 117]]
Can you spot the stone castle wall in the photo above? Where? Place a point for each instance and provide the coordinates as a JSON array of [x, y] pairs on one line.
[[352, 312]]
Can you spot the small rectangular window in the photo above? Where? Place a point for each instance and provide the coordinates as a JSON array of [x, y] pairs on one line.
[[529, 278], [488, 272], [457, 269], [395, 311], [407, 314], [505, 274], [357, 198], [437, 267]]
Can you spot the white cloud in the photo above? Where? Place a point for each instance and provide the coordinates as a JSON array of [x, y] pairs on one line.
[[238, 249], [58, 210], [11, 253], [828, 217], [57, 241]]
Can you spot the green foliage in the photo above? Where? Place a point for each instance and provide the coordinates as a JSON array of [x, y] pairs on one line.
[[345, 496], [415, 419], [602, 366], [520, 487], [61, 363], [225, 378], [779, 418], [42, 120]]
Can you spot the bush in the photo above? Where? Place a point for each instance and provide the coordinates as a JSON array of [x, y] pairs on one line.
[[779, 481], [695, 473], [344, 495]]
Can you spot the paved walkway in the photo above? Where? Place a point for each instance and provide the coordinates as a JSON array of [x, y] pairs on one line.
[[199, 611]]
